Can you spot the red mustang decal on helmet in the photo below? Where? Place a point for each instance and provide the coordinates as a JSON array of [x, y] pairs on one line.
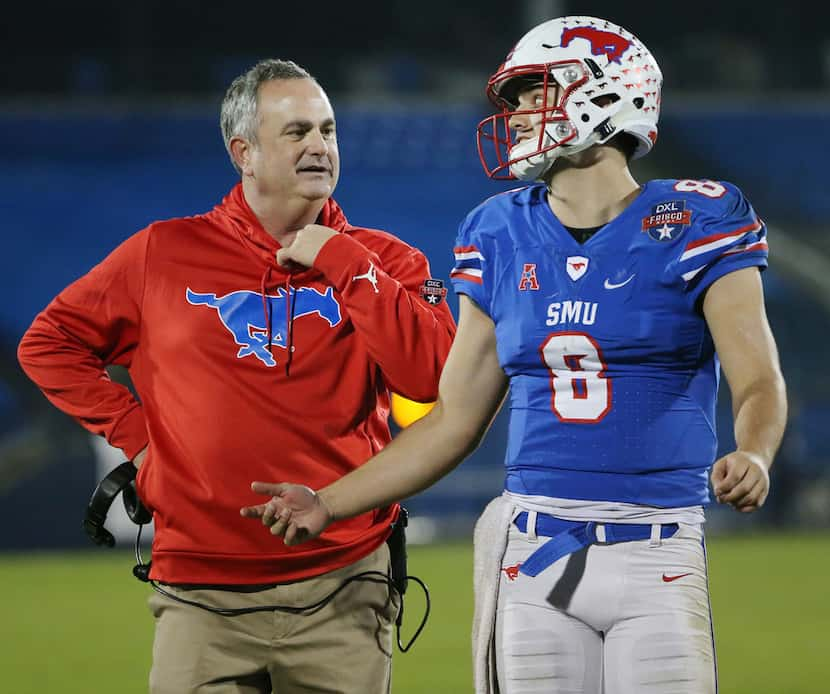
[[602, 42]]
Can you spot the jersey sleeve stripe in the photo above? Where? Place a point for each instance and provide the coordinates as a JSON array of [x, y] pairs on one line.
[[468, 274], [758, 246], [470, 255], [472, 264], [715, 241], [473, 272], [689, 275]]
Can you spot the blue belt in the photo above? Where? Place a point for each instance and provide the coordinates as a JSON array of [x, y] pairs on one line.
[[567, 537]]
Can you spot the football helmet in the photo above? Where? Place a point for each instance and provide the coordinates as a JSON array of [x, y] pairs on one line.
[[598, 79]]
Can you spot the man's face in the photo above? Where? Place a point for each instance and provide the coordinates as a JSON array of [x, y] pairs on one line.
[[296, 152]]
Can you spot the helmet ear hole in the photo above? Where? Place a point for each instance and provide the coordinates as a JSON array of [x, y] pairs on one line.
[[604, 100], [638, 101]]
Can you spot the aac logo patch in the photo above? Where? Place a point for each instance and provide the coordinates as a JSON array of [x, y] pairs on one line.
[[528, 280], [433, 291], [667, 220]]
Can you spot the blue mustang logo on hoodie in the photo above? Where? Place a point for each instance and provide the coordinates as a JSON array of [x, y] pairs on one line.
[[244, 315]]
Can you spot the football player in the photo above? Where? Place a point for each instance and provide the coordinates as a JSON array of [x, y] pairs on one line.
[[606, 309]]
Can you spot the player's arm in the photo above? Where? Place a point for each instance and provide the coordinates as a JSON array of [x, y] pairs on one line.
[[471, 390], [734, 310]]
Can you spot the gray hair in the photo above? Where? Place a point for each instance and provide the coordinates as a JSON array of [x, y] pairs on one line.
[[238, 117]]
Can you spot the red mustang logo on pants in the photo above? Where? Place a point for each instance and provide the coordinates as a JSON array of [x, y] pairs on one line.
[[512, 572], [602, 42]]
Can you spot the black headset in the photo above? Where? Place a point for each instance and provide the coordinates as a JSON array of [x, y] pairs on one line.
[[121, 480]]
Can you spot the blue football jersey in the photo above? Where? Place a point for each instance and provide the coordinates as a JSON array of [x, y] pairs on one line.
[[613, 372]]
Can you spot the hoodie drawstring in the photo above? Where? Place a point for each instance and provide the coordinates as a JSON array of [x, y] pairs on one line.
[[266, 308], [289, 322], [290, 297]]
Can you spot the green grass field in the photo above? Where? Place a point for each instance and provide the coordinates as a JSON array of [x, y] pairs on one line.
[[77, 623]]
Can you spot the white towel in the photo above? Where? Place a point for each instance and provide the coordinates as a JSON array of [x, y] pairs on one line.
[[489, 545]]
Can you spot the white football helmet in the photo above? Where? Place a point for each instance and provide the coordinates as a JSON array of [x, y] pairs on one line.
[[608, 83]]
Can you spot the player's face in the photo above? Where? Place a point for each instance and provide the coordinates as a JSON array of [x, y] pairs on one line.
[[296, 154], [532, 98]]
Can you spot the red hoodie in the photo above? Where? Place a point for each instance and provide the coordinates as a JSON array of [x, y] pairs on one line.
[[188, 306]]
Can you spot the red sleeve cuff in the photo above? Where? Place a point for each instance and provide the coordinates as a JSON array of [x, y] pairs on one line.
[[130, 433]]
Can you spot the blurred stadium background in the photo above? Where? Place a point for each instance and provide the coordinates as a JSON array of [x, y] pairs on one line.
[[109, 120]]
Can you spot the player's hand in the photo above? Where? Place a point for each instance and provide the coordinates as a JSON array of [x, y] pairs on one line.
[[741, 480], [305, 246], [294, 511]]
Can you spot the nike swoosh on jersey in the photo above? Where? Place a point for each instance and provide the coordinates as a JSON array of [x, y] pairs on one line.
[[669, 579], [609, 285]]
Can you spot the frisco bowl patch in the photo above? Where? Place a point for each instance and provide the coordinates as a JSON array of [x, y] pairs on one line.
[[667, 220], [433, 291]]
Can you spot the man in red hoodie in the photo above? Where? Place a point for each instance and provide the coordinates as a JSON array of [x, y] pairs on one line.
[[262, 339]]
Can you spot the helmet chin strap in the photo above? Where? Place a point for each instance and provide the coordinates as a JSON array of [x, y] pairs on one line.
[[532, 167]]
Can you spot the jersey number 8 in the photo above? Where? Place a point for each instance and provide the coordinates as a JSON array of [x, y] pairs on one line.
[[711, 189], [581, 391]]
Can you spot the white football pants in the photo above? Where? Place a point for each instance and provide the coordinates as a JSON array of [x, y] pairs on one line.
[[626, 618]]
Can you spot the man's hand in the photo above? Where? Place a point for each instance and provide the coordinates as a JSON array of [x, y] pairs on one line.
[[295, 511], [140, 457], [305, 246], [741, 480]]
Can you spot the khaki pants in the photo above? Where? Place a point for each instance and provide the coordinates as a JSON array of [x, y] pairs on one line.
[[344, 647]]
